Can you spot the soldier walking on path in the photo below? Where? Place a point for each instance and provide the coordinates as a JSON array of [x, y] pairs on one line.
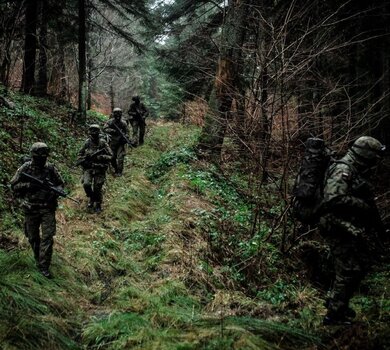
[[39, 203], [137, 114], [349, 222], [115, 127], [94, 157]]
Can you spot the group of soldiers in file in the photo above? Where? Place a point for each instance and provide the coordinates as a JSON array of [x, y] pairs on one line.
[[348, 201], [38, 184]]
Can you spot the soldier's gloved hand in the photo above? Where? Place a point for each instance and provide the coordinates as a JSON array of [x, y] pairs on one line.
[[59, 188], [54, 195], [22, 187]]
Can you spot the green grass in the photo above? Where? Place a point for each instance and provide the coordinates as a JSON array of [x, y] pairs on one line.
[[34, 311], [171, 263]]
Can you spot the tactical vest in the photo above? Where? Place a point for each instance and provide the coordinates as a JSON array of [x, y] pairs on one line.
[[91, 148], [36, 198]]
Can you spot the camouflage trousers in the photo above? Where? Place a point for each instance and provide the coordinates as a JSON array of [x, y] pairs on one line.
[[138, 127], [93, 181], [119, 152], [42, 245], [350, 259]]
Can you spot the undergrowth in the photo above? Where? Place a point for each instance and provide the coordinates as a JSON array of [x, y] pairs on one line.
[[173, 261]]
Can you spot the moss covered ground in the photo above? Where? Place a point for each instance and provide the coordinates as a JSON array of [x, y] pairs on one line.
[[170, 263]]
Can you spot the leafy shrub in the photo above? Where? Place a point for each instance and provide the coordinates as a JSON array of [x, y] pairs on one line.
[[170, 159]]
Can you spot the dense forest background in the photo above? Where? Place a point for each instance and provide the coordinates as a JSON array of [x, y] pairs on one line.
[[259, 77], [263, 74], [283, 70], [254, 78]]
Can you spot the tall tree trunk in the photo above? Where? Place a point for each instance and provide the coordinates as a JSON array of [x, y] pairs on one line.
[[8, 36], [89, 61], [64, 91], [5, 65], [90, 83], [225, 85], [112, 95], [30, 46], [82, 112], [41, 88], [241, 28], [265, 124]]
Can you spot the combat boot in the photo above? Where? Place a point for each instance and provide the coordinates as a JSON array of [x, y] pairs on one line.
[[45, 272], [336, 319], [350, 313], [98, 208]]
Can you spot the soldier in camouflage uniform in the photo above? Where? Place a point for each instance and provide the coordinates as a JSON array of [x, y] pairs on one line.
[[39, 204], [117, 142], [349, 217], [94, 157], [137, 114]]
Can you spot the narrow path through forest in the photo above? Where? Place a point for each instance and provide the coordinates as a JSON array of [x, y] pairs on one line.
[[143, 261], [154, 271]]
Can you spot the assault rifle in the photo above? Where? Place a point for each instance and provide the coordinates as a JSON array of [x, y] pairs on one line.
[[139, 113], [124, 137], [47, 185], [86, 160]]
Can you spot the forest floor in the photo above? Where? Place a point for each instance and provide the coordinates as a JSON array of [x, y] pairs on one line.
[[166, 266]]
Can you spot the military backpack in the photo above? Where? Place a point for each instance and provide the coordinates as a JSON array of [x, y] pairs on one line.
[[309, 184]]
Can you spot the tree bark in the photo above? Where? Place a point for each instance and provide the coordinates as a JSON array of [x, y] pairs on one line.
[[226, 82], [41, 88], [8, 28], [112, 95], [64, 90], [89, 94], [30, 46], [82, 112]]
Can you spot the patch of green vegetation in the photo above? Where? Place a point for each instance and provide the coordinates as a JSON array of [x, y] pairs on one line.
[[34, 311], [176, 144], [171, 136], [376, 302], [168, 160], [150, 314], [96, 117], [228, 223], [116, 330], [167, 264]]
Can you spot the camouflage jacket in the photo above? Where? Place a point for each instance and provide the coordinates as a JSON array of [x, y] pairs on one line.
[[115, 136], [31, 195], [95, 155], [348, 195], [137, 111]]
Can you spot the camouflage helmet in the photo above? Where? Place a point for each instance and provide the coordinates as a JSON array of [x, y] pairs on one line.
[[136, 98], [368, 148], [94, 129], [39, 149]]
